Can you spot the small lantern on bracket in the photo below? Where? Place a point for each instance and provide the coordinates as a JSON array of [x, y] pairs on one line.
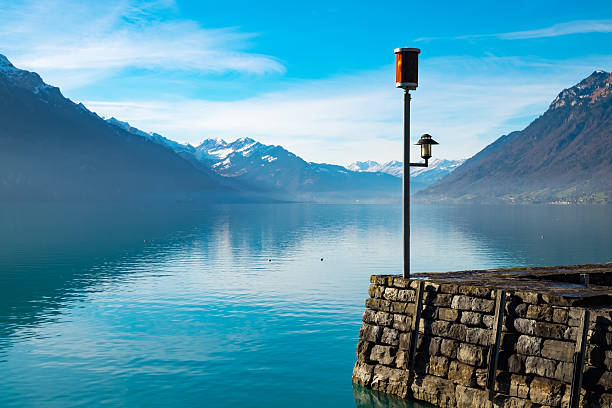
[[407, 68], [425, 142]]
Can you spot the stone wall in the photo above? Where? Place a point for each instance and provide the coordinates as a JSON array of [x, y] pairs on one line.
[[450, 367]]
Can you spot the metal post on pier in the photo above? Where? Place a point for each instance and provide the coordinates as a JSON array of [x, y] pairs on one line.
[[407, 77]]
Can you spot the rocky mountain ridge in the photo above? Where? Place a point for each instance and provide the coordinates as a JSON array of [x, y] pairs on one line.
[[564, 156]]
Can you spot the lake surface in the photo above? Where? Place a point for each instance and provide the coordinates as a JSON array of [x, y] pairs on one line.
[[232, 305]]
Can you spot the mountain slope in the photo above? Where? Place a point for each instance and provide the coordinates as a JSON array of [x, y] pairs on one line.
[[283, 174], [565, 155], [54, 149], [420, 177]]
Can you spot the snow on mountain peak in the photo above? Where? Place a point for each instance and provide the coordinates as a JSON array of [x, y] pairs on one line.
[[589, 90]]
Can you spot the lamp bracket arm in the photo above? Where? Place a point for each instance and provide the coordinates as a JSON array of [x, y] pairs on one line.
[[426, 164]]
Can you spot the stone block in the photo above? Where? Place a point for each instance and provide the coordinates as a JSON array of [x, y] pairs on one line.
[[471, 318], [558, 300], [543, 312], [390, 380], [540, 366], [380, 280], [471, 397], [390, 294], [457, 331], [527, 297], [383, 354], [560, 315], [528, 345], [514, 402], [438, 366], [429, 345], [401, 359], [401, 307], [461, 373], [377, 318], [483, 305], [440, 328], [549, 330], [476, 335], [434, 390], [524, 326], [442, 300], [516, 363], [370, 333], [488, 320], [378, 304], [449, 288], [401, 283], [430, 312], [519, 386], [481, 377], [546, 392], [448, 348], [404, 341], [461, 302], [363, 350], [450, 315], [431, 286], [558, 350], [564, 371], [390, 336], [516, 309], [362, 373], [471, 354], [401, 322], [477, 291], [570, 333]]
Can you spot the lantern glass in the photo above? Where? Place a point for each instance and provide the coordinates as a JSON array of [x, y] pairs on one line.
[[426, 151]]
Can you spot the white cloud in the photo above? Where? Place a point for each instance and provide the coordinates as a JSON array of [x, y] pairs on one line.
[[464, 102], [556, 30], [105, 37]]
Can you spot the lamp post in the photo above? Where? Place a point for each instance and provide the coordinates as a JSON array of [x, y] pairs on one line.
[[407, 77]]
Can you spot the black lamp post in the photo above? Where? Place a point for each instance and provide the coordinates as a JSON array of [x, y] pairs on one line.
[[407, 77]]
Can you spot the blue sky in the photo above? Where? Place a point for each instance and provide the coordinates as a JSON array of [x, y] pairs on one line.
[[315, 77]]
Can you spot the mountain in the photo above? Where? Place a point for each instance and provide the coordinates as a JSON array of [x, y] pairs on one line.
[[564, 156], [283, 174], [52, 149], [420, 177]]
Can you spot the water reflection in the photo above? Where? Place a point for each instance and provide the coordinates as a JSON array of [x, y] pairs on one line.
[[231, 304], [365, 398]]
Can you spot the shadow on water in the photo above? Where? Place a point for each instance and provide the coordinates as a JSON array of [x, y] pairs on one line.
[[365, 398]]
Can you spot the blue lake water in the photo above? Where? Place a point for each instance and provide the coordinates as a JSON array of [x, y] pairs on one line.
[[232, 305]]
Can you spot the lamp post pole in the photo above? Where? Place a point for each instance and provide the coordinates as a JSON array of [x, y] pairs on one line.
[[406, 77], [406, 186]]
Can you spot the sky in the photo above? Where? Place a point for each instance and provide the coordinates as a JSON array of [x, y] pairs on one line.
[[315, 77]]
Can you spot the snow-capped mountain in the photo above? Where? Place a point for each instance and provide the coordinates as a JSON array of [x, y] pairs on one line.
[[278, 173], [282, 172], [420, 177], [56, 150]]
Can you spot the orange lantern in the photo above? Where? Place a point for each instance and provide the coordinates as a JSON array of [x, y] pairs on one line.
[[407, 68]]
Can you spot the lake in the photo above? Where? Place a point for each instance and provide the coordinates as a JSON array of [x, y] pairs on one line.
[[250, 305]]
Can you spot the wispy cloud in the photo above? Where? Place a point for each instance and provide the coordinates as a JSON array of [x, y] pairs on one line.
[[464, 102], [556, 30], [108, 36]]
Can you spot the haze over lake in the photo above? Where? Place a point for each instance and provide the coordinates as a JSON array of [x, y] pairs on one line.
[[232, 305]]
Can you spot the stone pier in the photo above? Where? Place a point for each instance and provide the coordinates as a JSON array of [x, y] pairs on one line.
[[523, 337]]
